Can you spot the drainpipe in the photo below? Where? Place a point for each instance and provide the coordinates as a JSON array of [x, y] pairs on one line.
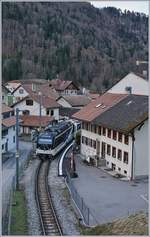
[[132, 167]]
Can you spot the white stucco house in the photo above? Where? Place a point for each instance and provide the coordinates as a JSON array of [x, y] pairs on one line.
[[115, 133], [8, 141], [30, 105], [131, 84]]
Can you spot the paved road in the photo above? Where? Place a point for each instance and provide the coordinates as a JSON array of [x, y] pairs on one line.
[[109, 198], [8, 172]]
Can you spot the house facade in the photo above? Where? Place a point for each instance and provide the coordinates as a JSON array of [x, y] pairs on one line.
[[131, 84], [30, 105], [64, 87], [116, 138]]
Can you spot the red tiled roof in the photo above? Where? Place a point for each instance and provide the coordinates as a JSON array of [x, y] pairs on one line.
[[60, 85], [9, 122], [6, 108], [77, 100], [98, 106], [45, 89], [34, 121], [46, 102], [93, 96]]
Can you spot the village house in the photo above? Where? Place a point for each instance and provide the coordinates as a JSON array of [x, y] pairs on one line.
[[64, 87], [7, 98], [115, 133], [25, 88], [73, 101], [30, 105], [8, 129], [132, 84]]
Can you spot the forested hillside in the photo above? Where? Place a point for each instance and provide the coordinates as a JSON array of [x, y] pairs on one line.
[[73, 41]]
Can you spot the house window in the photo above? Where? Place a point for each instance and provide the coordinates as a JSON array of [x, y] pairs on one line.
[[126, 139], [108, 150], [94, 144], [125, 159], [120, 137], [107, 163], [89, 127], [14, 139], [114, 135], [29, 102], [109, 133], [26, 112], [119, 168], [86, 140], [82, 140], [103, 149], [119, 154], [52, 112], [99, 130], [114, 152], [86, 126], [21, 91], [125, 172], [14, 128], [3, 147], [47, 112], [3, 97], [104, 131], [95, 128]]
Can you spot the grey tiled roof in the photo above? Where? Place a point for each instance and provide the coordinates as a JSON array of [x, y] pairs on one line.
[[125, 115]]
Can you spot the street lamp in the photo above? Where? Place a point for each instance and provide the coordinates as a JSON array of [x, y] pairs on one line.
[[17, 148]]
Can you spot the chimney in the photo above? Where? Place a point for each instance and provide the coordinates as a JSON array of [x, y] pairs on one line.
[[145, 73], [33, 87]]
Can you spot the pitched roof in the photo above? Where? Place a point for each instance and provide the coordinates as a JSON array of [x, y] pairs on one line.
[[5, 88], [46, 102], [77, 100], [98, 106], [125, 115], [43, 88], [61, 85], [9, 122], [35, 121], [6, 108], [129, 75]]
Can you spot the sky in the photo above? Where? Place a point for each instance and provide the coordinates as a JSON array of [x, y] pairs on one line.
[[137, 6]]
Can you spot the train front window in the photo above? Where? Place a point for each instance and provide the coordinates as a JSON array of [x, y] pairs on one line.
[[44, 143]]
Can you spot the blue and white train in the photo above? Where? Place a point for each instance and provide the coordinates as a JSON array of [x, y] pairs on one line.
[[55, 138]]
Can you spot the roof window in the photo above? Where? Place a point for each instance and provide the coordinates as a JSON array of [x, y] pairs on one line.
[[98, 105]]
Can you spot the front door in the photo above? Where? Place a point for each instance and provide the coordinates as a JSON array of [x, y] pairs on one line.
[[113, 166]]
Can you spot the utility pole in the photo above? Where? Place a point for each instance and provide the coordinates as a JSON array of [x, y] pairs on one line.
[[17, 149], [40, 108]]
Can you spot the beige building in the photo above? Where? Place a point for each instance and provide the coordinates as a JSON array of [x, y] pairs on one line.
[[115, 133]]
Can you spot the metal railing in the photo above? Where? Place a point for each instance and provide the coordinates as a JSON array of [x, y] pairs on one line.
[[88, 218]]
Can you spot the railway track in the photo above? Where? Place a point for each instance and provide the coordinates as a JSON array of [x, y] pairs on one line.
[[48, 218]]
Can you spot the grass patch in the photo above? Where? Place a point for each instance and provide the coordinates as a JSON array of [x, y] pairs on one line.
[[19, 215], [133, 225]]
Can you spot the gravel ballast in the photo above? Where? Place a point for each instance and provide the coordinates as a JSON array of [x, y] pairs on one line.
[[62, 202]]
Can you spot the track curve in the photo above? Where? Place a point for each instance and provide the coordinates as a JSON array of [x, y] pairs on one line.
[[49, 222]]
